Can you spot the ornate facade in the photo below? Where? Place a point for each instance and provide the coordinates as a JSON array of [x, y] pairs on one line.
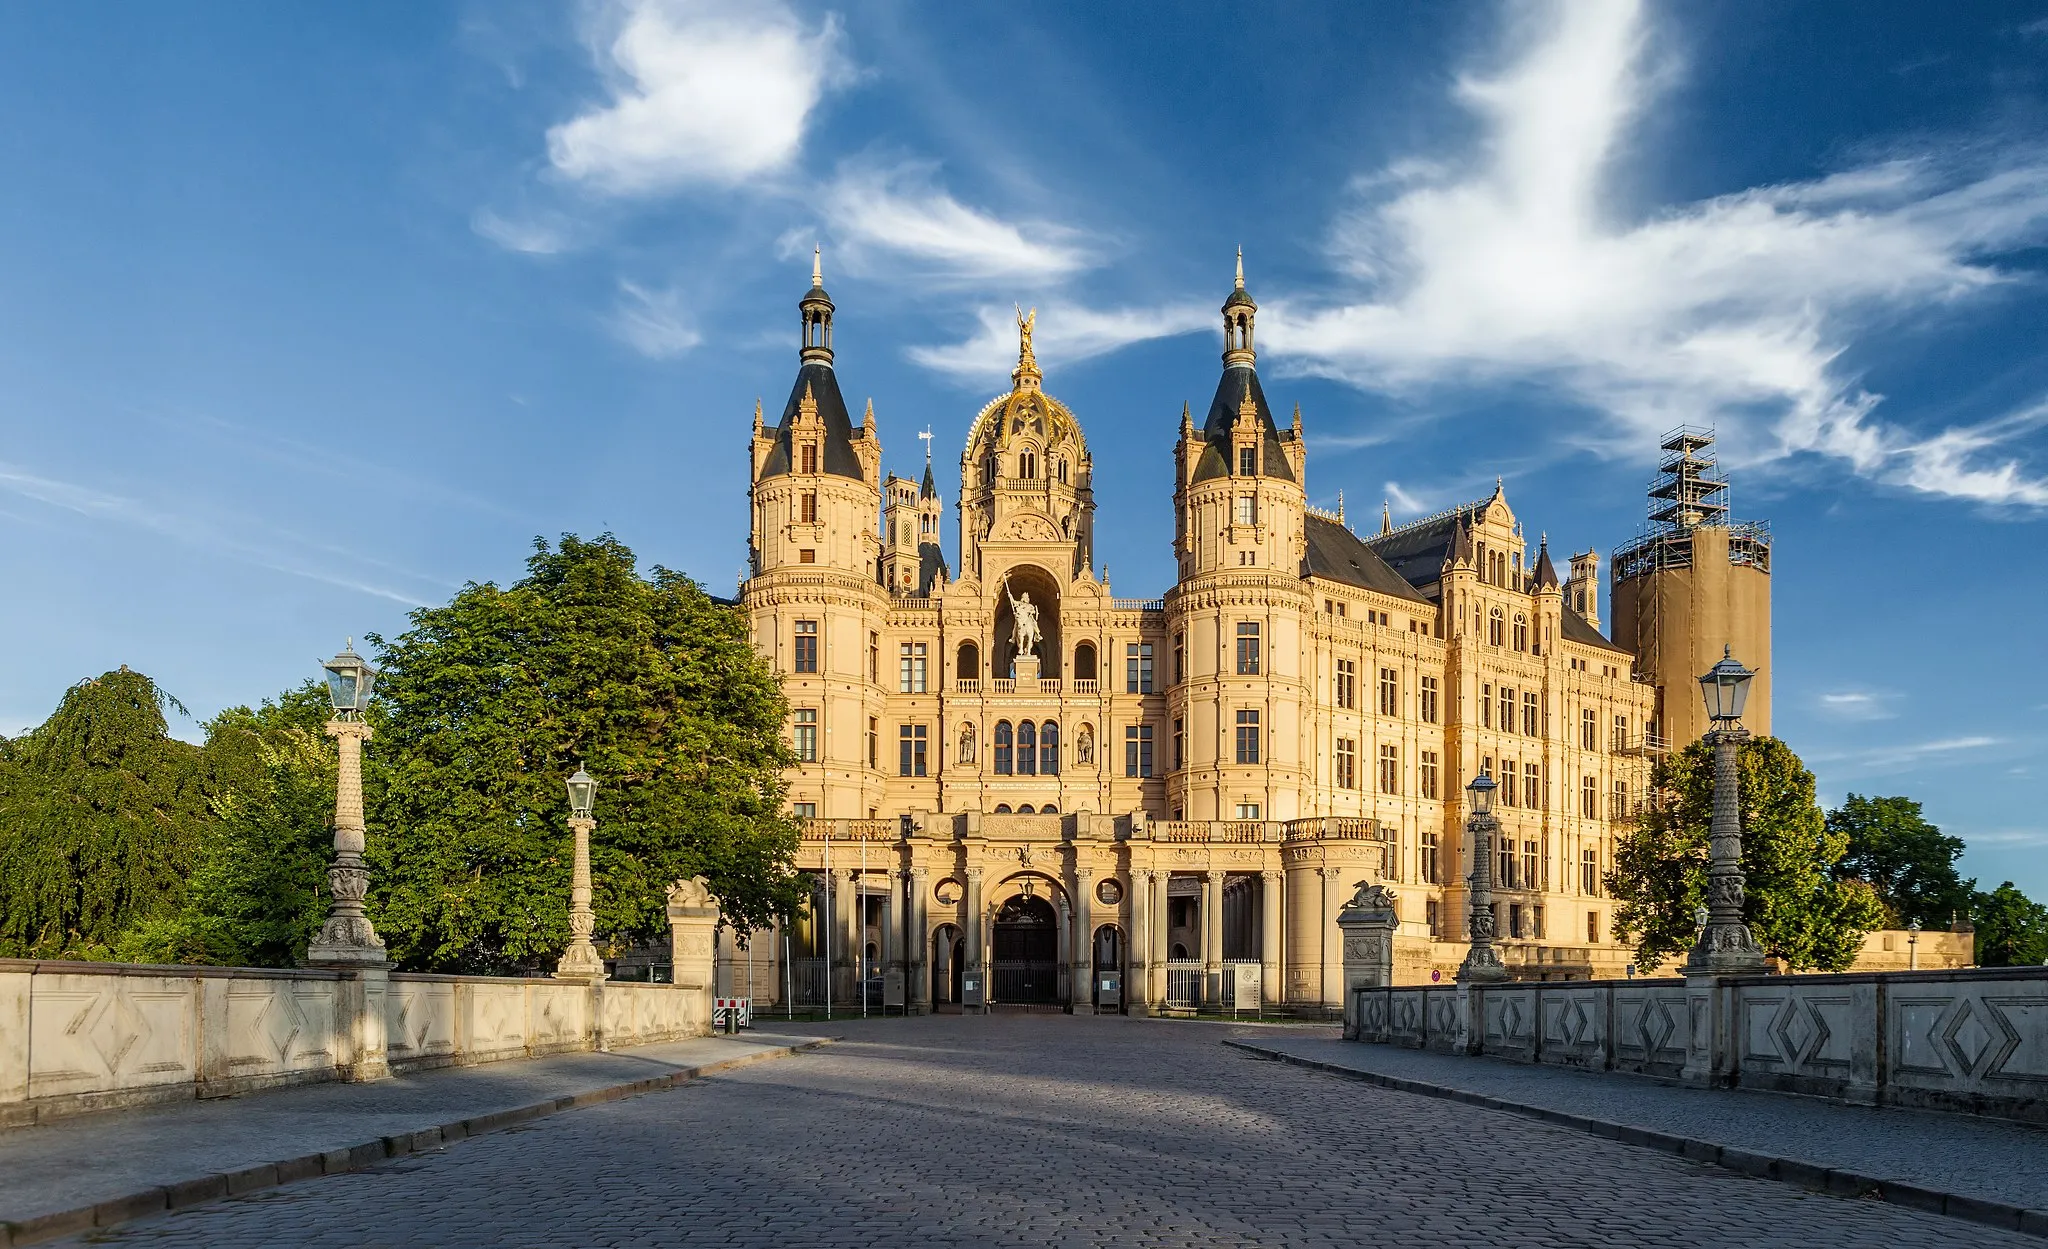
[[1023, 787]]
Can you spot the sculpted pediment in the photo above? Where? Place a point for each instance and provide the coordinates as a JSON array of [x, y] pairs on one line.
[[1031, 526]]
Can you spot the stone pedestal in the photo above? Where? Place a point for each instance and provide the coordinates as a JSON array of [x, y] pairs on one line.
[[1026, 669], [1368, 922], [692, 931]]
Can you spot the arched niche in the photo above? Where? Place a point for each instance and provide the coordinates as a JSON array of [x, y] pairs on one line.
[[1045, 596], [1084, 662]]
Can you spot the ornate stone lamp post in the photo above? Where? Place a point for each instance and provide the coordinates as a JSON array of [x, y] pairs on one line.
[[347, 939], [1482, 962], [1725, 946], [581, 960]]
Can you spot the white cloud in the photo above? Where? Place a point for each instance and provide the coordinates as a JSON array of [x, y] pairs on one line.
[[535, 238], [886, 215], [1732, 311], [1906, 755], [652, 322], [1065, 333], [702, 92], [1402, 499], [1858, 705]]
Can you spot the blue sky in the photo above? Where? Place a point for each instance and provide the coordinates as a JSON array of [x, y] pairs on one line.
[[310, 314]]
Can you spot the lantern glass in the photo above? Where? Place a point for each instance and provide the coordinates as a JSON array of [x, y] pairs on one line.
[[349, 682], [1725, 686], [582, 794], [1481, 790]]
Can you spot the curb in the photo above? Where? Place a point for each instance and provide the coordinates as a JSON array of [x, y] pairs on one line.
[[182, 1194], [1760, 1166]]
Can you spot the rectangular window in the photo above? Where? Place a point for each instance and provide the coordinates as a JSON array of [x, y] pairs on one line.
[[1248, 811], [1429, 864], [910, 668], [1138, 750], [1507, 710], [1589, 730], [1486, 706], [804, 810], [806, 735], [910, 757], [810, 457], [1344, 685], [1138, 668], [1589, 798], [1247, 737], [1179, 745], [806, 556], [1589, 873], [875, 658], [810, 509], [1247, 509], [1247, 461], [1620, 811], [1429, 700], [1515, 919], [1248, 648], [1532, 786], [1180, 648], [1347, 764], [1532, 877], [806, 646], [1429, 915], [1390, 692], [1592, 927], [1429, 765], [1536, 922], [1005, 746], [874, 742], [1390, 768], [1530, 721], [1505, 864], [1619, 742]]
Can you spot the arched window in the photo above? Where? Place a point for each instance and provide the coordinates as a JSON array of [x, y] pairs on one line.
[[1027, 466], [1050, 808], [968, 667], [1521, 632], [1063, 472], [1027, 748], [1496, 628], [989, 471], [1025, 810], [1084, 662], [1003, 748], [1002, 808], [1049, 748]]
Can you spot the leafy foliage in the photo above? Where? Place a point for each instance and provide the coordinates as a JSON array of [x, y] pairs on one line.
[[1908, 861], [1796, 907], [103, 812], [258, 888], [492, 701], [2012, 929]]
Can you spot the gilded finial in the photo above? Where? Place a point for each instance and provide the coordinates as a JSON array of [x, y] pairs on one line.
[[1340, 507], [1240, 268], [817, 266], [1027, 362]]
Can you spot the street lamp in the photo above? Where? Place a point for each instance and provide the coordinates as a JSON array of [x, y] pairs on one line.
[[1482, 962], [1725, 946], [1913, 945], [581, 960], [347, 939]]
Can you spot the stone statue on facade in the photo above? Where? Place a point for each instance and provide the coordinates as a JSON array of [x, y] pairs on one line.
[[1084, 745], [1371, 896], [967, 743], [1024, 631]]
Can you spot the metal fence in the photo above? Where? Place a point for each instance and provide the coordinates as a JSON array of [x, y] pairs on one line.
[[807, 982], [1183, 983]]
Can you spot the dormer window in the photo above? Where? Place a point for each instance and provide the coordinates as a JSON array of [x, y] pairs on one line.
[[810, 457], [1027, 466], [1248, 461], [1247, 509]]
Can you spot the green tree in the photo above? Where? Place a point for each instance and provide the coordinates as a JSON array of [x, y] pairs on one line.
[[101, 813], [492, 701], [258, 890], [1796, 908], [1908, 861], [2012, 929]]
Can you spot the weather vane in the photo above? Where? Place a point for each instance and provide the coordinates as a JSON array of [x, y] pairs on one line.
[[925, 436]]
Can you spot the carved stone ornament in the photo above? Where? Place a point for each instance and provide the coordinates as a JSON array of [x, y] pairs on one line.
[[1371, 896], [691, 892]]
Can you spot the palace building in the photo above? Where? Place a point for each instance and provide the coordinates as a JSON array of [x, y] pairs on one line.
[[1021, 787]]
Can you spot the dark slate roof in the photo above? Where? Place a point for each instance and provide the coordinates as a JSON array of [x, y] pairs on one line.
[[1418, 551], [1546, 572], [929, 490], [931, 568], [1230, 392], [1578, 629], [839, 459], [1336, 554]]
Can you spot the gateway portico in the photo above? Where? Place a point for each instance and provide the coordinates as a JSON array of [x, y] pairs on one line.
[[1021, 787]]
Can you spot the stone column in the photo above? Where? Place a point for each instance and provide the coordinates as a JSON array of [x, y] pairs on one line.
[[347, 940], [1270, 969], [920, 995], [1138, 978], [1482, 963], [1212, 938], [1330, 980], [844, 954], [1081, 980], [1161, 882], [1725, 945], [1368, 923], [894, 991], [975, 921]]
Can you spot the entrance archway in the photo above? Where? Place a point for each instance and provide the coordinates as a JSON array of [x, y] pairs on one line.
[[1027, 945], [949, 958], [1106, 985]]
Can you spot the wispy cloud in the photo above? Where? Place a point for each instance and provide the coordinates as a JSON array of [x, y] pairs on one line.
[[1066, 333], [1855, 705], [530, 235], [1905, 755], [702, 93], [892, 214], [1509, 264], [652, 322], [281, 551], [2016, 837]]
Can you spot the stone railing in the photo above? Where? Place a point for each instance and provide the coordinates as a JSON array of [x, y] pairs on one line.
[[967, 685], [77, 1037], [1087, 685], [1973, 1040]]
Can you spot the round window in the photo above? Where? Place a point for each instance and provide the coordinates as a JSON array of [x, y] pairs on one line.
[[947, 892], [1109, 892]]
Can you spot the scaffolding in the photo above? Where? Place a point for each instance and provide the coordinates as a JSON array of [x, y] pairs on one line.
[[1688, 493]]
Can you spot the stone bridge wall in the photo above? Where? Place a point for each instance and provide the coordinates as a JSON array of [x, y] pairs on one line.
[[1972, 1040], [86, 1036]]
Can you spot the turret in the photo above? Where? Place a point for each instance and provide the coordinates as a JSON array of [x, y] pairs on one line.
[[1582, 589]]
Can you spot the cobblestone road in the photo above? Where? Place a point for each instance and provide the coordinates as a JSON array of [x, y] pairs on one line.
[[1043, 1130]]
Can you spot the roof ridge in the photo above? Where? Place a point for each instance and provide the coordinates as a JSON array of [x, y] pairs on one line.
[[1447, 514]]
